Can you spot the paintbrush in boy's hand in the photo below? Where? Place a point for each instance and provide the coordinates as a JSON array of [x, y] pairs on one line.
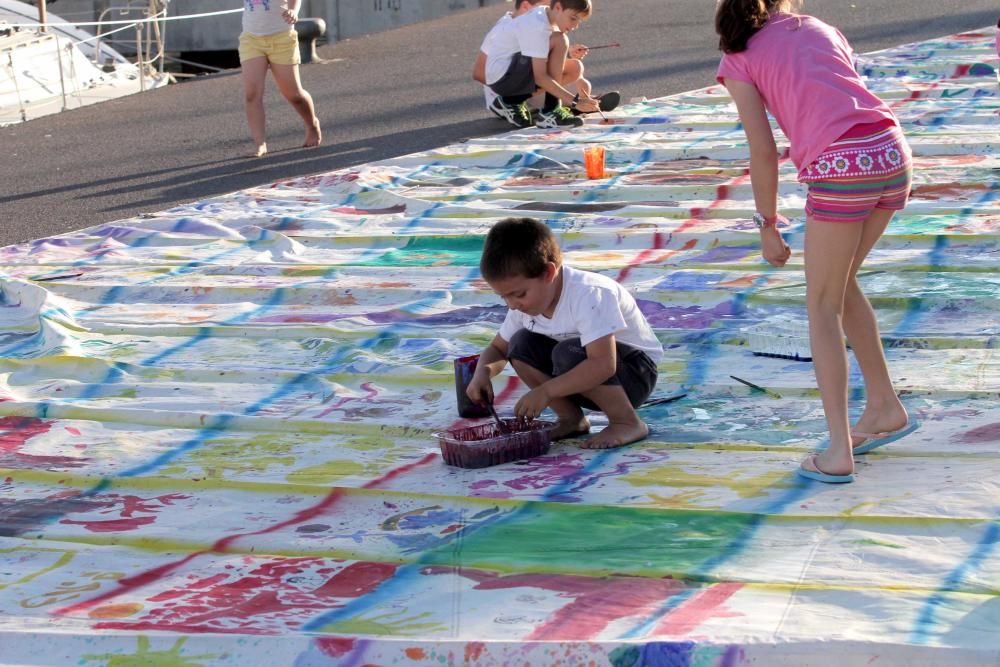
[[612, 45]]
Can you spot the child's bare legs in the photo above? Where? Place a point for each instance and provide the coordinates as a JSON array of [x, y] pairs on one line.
[[287, 78], [572, 421], [829, 255], [254, 72], [572, 77], [624, 425], [883, 410]]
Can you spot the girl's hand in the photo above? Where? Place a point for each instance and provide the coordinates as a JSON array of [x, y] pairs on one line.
[[533, 403], [578, 51], [290, 16], [773, 246]]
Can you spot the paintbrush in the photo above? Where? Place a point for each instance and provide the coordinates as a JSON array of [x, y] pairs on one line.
[[612, 45], [772, 394], [660, 400]]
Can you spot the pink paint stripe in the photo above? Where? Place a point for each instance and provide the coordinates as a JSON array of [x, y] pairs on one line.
[[721, 195], [698, 609], [129, 584]]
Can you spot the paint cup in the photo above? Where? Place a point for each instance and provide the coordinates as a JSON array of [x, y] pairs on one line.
[[465, 367], [593, 161]]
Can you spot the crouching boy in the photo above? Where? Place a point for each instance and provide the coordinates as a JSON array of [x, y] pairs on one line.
[[576, 338]]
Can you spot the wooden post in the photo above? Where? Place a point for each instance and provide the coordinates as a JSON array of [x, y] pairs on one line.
[[41, 14]]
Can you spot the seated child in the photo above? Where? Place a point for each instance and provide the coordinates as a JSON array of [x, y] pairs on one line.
[[529, 52], [573, 69], [576, 338]]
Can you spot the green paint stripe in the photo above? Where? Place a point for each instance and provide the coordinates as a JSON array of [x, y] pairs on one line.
[[63, 480], [456, 559]]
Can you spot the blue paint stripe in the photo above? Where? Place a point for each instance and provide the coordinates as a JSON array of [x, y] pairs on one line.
[[926, 619]]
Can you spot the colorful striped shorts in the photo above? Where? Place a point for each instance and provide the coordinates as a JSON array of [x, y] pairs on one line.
[[869, 167]]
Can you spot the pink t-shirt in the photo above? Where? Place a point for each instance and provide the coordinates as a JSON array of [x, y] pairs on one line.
[[804, 71]]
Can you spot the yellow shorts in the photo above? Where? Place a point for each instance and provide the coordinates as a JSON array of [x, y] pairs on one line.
[[281, 48]]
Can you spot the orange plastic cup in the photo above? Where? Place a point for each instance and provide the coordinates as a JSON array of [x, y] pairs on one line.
[[593, 161]]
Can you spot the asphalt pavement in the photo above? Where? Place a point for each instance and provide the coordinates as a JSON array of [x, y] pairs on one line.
[[378, 96]]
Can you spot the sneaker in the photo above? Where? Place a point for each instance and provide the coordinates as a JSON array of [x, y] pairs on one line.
[[605, 102], [609, 101], [558, 117], [516, 115]]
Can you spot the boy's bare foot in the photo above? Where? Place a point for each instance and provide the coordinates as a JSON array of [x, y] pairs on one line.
[[570, 428], [261, 150], [313, 134], [617, 435], [879, 421]]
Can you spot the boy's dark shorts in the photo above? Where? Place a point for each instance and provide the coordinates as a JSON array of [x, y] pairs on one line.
[[519, 79], [636, 372]]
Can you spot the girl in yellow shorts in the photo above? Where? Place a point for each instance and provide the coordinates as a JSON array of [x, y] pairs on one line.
[[269, 41]]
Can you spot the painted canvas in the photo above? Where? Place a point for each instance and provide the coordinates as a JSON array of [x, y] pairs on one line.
[[216, 421]]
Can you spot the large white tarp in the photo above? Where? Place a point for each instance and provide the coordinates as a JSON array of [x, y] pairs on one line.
[[216, 422]]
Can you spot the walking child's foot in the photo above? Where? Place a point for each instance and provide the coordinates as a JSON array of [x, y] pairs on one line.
[[617, 435], [261, 150], [570, 428], [829, 464], [878, 423], [811, 468], [313, 134]]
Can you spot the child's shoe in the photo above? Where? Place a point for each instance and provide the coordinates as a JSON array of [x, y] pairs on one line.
[[609, 101], [516, 115], [558, 117], [605, 102]]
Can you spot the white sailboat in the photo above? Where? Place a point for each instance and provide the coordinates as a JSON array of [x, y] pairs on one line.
[[61, 68]]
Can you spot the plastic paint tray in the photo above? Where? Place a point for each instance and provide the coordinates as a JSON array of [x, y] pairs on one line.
[[781, 338], [484, 445]]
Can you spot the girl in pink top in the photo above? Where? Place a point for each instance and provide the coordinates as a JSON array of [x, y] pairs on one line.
[[847, 146]]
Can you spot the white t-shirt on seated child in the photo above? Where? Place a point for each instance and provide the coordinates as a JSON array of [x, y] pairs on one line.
[[528, 34], [590, 306]]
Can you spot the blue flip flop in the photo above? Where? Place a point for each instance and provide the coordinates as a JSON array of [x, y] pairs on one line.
[[821, 476], [876, 440]]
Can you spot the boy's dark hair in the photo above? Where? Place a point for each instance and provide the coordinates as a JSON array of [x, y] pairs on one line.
[[518, 247], [736, 21], [585, 7]]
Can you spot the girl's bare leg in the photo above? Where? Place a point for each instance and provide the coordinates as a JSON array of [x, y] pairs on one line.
[[829, 255], [287, 78], [883, 410], [254, 72]]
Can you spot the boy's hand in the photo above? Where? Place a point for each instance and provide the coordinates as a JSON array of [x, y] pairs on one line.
[[578, 51], [480, 389], [290, 16], [587, 104], [533, 403], [773, 246]]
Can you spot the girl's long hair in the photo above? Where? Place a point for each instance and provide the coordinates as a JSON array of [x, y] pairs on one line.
[[736, 21]]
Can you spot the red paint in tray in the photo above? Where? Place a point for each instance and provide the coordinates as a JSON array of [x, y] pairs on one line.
[[484, 445]]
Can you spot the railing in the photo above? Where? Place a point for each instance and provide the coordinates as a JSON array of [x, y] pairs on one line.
[[149, 30]]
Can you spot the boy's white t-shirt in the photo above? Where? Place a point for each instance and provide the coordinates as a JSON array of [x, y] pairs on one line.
[[590, 307], [263, 17], [487, 91], [528, 34]]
